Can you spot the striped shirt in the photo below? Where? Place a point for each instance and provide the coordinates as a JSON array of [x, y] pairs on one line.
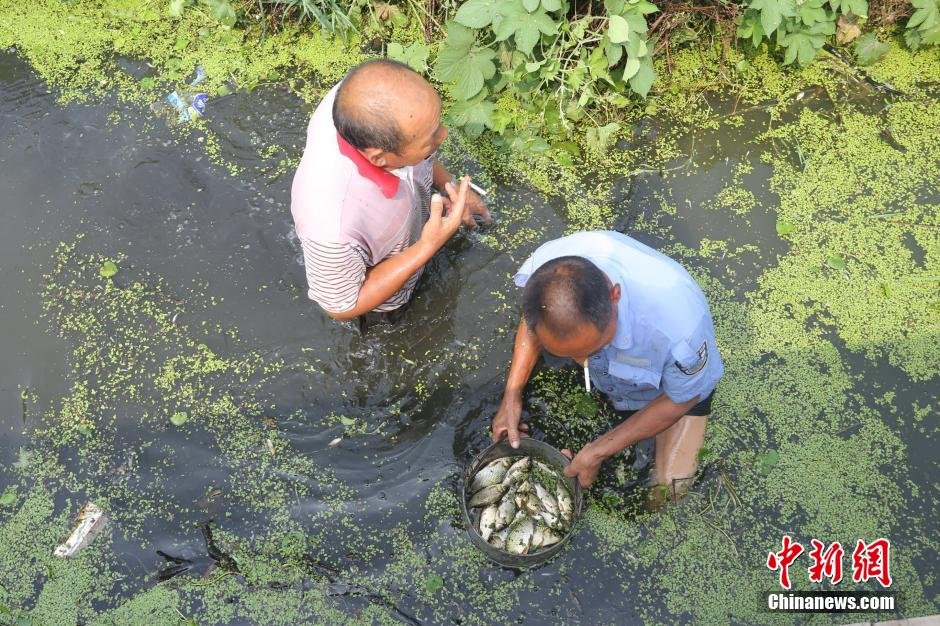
[[351, 215]]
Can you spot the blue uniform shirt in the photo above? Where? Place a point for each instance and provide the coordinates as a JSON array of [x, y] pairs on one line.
[[665, 340]]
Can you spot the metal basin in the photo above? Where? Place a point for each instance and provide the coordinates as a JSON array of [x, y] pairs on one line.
[[527, 447]]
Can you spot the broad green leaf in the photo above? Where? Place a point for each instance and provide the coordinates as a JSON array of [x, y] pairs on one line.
[[803, 44], [551, 5], [631, 68], [772, 12], [613, 52], [637, 23], [529, 30], [614, 6], [618, 30], [642, 81], [108, 269], [751, 27], [812, 11], [459, 37], [468, 70], [531, 5], [784, 228], [855, 7], [478, 13], [869, 50], [179, 418], [645, 8], [415, 55], [836, 262], [636, 47], [176, 8], [346, 421]]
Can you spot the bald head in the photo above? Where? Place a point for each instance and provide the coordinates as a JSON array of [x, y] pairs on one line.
[[566, 293], [386, 105]]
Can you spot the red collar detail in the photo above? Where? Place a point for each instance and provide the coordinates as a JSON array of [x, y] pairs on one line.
[[386, 181]]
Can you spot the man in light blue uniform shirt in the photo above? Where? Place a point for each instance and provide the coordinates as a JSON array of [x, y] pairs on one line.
[[645, 329]]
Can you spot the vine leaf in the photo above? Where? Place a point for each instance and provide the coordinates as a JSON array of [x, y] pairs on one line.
[[772, 12], [631, 68], [855, 7], [463, 63], [869, 50], [531, 5], [618, 30], [473, 115], [478, 13], [643, 79], [551, 5], [802, 44]]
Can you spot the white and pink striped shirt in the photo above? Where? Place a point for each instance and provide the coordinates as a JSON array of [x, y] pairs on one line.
[[351, 215]]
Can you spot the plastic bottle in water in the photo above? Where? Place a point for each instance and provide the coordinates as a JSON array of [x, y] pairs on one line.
[[183, 104]]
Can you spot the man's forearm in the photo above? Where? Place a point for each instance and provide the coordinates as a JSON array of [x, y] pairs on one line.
[[525, 353], [648, 422], [440, 176], [386, 278]]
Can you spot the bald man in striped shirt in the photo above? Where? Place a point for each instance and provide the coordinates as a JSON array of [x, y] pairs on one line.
[[362, 196]]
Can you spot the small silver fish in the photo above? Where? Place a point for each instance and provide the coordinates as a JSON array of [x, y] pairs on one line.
[[487, 496], [488, 521], [507, 509], [565, 505], [545, 469], [498, 539], [552, 521], [550, 537], [537, 537], [548, 501], [517, 471], [492, 474], [520, 536]]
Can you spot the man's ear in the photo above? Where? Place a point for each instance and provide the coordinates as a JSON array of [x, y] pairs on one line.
[[375, 156], [615, 294]]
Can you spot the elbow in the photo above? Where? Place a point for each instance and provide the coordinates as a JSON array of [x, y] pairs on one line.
[[342, 316]]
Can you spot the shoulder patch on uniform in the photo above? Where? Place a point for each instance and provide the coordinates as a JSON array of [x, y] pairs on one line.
[[699, 364]]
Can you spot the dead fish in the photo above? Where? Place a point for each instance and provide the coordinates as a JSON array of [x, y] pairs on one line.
[[498, 539], [488, 521], [517, 471], [545, 469], [487, 495], [520, 536], [550, 537], [565, 505], [492, 474], [506, 510], [537, 536], [552, 521], [547, 500]]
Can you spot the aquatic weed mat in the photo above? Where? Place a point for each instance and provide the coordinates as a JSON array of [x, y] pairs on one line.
[[820, 425]]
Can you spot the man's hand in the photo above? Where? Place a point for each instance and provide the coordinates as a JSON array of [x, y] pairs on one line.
[[440, 227], [506, 421], [476, 206], [584, 466]]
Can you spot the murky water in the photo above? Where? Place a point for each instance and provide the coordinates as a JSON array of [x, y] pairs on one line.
[[224, 245]]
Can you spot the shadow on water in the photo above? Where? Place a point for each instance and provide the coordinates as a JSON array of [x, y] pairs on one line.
[[424, 390]]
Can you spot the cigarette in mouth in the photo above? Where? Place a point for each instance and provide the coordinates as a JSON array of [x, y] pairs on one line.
[[587, 377]]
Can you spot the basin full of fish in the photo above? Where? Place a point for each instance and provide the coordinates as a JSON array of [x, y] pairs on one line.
[[525, 505]]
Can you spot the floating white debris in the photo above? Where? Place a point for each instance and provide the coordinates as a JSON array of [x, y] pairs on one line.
[[91, 519], [335, 442]]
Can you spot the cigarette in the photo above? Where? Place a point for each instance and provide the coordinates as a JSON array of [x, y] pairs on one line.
[[587, 377], [478, 189]]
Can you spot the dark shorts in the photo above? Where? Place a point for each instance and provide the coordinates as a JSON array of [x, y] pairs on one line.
[[702, 409]]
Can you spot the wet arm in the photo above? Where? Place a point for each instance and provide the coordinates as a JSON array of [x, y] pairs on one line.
[[649, 421], [525, 353]]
